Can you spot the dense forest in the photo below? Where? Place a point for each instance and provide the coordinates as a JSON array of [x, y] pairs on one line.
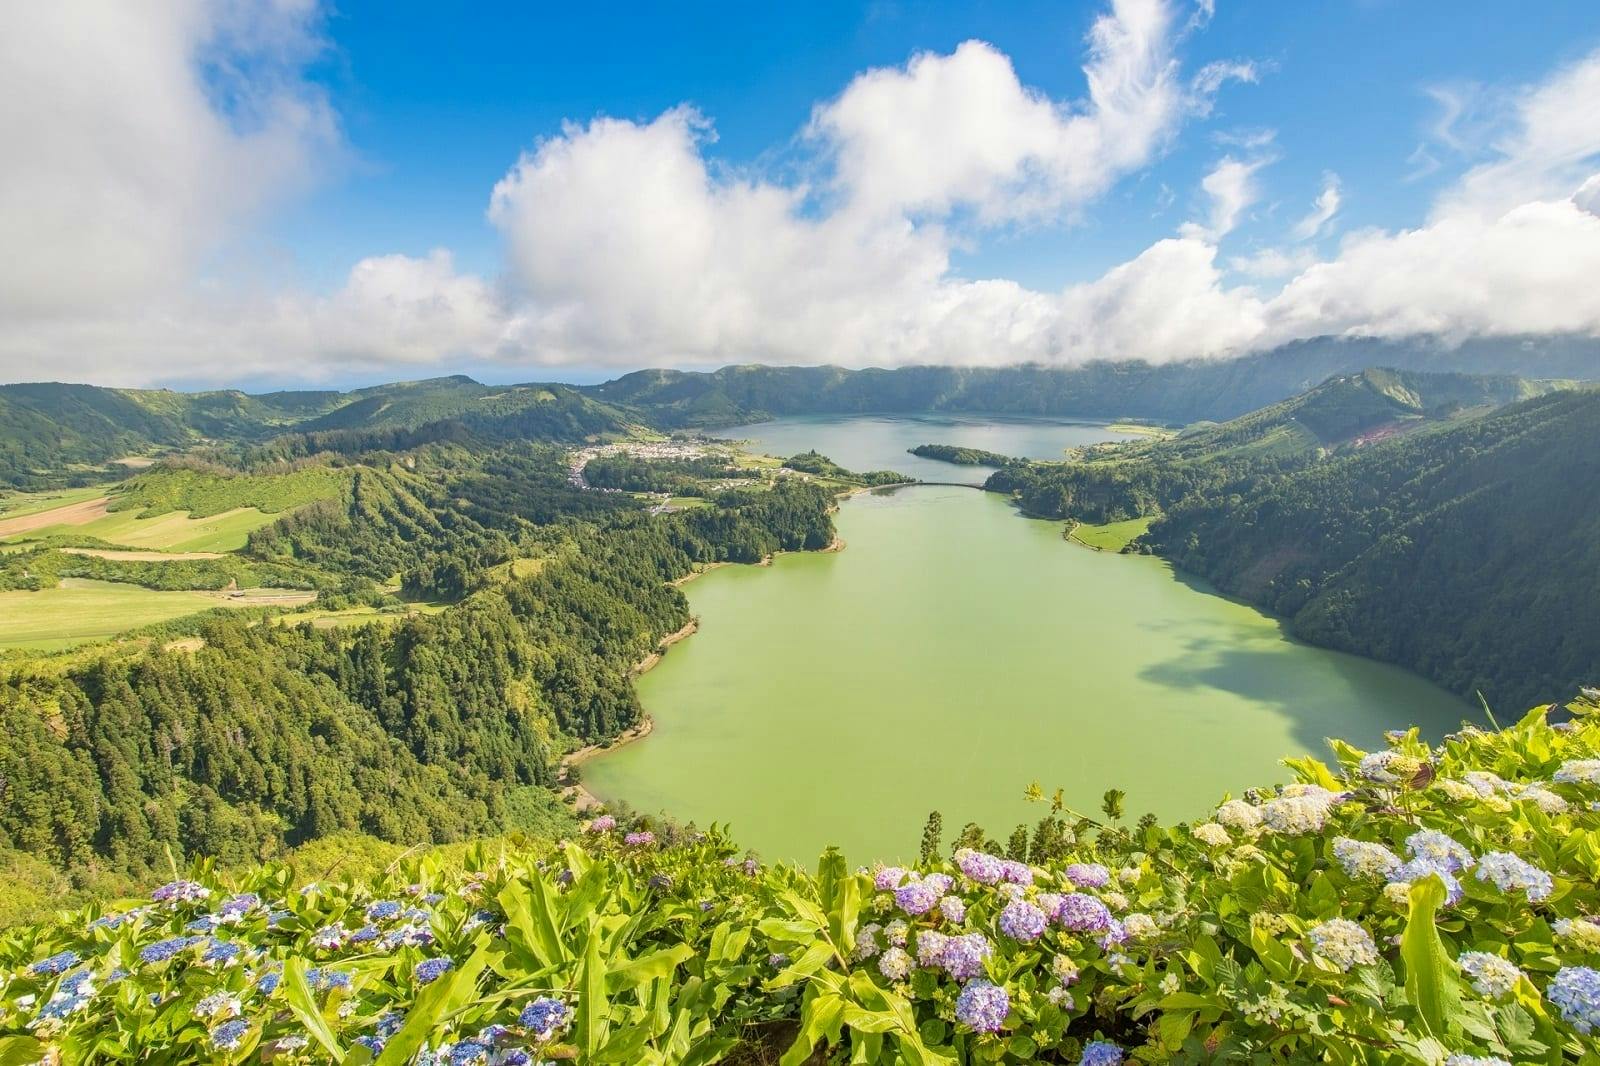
[[953, 453], [245, 738]]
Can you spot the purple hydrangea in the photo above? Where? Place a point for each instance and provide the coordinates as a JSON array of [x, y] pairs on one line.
[[917, 897], [1021, 920], [1100, 1053], [889, 878], [238, 906], [604, 823], [1016, 873], [1087, 874], [180, 892], [1116, 933], [980, 867], [1575, 990], [430, 970], [962, 956], [1083, 914], [544, 1015], [954, 909], [982, 1006], [642, 839]]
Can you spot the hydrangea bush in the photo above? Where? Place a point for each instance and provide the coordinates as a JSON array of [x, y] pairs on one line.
[[1421, 905]]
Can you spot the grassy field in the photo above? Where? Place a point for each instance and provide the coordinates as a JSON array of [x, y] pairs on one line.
[[19, 504], [172, 532], [1111, 537], [357, 616], [1141, 429], [79, 610]]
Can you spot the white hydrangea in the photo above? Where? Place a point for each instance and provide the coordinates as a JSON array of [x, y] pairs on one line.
[[1295, 815], [1343, 943], [1140, 926], [1362, 858], [1171, 984], [896, 965], [1212, 833], [895, 932], [1061, 998], [1398, 893], [867, 944], [1115, 900], [1541, 796], [1579, 772], [1485, 783], [1459, 791], [1389, 767], [1492, 976], [1129, 874], [1237, 814], [1581, 933]]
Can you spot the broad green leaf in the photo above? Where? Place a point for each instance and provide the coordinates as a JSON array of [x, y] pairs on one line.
[[648, 968], [1431, 984], [593, 1014], [303, 1002]]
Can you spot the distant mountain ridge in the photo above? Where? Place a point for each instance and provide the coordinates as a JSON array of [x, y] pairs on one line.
[[48, 428]]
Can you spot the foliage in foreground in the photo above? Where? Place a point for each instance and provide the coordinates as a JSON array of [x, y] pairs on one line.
[[1412, 905]]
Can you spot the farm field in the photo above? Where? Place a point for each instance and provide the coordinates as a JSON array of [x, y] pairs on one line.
[[171, 532], [357, 616], [21, 504], [1112, 536], [79, 610]]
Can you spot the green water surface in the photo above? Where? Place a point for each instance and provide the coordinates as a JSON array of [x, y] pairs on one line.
[[956, 651]]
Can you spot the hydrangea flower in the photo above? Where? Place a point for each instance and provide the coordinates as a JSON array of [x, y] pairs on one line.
[[982, 1006], [895, 964], [1021, 920], [1509, 873], [1100, 1053], [867, 944], [888, 878], [1541, 796], [980, 867], [603, 824], [237, 906], [1061, 998], [230, 1034], [60, 962], [1211, 833], [322, 980], [1363, 859], [1237, 814], [1083, 914], [544, 1016], [1578, 772], [218, 1003], [1492, 976], [1485, 783], [384, 910], [221, 953], [1417, 869], [429, 970], [917, 897], [162, 950], [1575, 990], [930, 947], [180, 892], [1582, 933], [1343, 943], [1016, 873], [1116, 933], [1439, 850], [468, 1053], [1295, 815], [1087, 875], [1064, 969], [895, 932], [1140, 926], [963, 956], [1475, 1060], [954, 909]]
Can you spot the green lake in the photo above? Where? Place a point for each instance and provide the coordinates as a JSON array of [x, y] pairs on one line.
[[953, 653]]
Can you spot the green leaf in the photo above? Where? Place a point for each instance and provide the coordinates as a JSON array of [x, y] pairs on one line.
[[301, 1000], [530, 920], [648, 968], [593, 1013], [806, 965], [435, 1002], [1431, 984], [819, 1021], [17, 1050]]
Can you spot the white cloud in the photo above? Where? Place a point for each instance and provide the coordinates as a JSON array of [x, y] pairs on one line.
[[1322, 211], [1231, 186], [139, 138], [625, 246]]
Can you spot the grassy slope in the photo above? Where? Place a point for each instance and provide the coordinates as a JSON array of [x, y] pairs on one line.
[[1112, 536], [174, 531], [81, 611]]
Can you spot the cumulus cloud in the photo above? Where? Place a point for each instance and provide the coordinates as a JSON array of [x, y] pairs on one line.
[[624, 245], [140, 138]]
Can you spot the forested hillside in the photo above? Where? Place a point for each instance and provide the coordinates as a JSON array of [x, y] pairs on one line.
[[1470, 553], [1177, 393]]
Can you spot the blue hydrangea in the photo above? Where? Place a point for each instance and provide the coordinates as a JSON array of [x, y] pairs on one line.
[[268, 982], [1083, 913], [162, 950], [430, 970], [221, 953], [60, 962], [468, 1053], [1100, 1053], [1510, 873], [544, 1015], [1439, 850], [1416, 869], [321, 980], [982, 1006], [383, 911], [230, 1034], [366, 934], [1021, 920], [1575, 990]]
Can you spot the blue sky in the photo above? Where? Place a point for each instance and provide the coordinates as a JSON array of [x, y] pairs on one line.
[[436, 110], [299, 191]]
